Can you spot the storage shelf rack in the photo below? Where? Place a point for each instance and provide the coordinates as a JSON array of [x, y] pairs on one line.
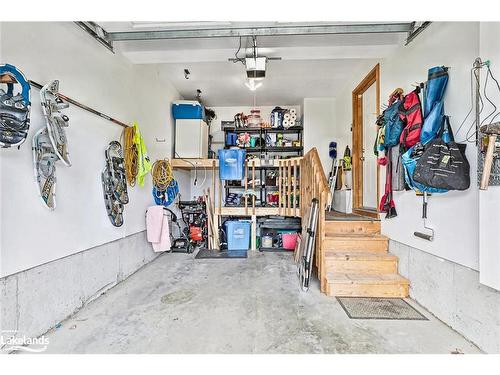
[[263, 151]]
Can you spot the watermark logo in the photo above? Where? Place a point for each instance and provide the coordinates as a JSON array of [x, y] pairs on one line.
[[9, 342]]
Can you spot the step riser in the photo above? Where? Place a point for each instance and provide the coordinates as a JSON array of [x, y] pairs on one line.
[[379, 245], [363, 266], [367, 290], [352, 227]]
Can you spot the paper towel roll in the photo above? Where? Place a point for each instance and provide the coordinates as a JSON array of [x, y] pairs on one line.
[[293, 117], [286, 116], [293, 111], [292, 123], [286, 123]]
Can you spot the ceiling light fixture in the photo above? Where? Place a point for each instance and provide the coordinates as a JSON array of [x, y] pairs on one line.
[[253, 84]]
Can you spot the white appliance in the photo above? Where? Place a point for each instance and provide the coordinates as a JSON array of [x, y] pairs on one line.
[[191, 138], [342, 201]]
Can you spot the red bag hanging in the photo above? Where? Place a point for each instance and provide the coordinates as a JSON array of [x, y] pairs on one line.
[[410, 113]]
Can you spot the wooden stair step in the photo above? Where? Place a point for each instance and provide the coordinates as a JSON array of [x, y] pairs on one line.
[[366, 285], [360, 262], [356, 242], [353, 227]]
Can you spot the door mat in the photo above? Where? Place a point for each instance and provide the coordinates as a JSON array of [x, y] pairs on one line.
[[379, 308], [215, 254]]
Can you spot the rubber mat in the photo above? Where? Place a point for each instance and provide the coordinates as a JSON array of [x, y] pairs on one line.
[[379, 308], [214, 254]]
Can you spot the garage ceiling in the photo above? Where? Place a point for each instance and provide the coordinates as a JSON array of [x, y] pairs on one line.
[[311, 65]]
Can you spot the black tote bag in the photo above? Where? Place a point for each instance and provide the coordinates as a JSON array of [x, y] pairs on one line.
[[443, 165]]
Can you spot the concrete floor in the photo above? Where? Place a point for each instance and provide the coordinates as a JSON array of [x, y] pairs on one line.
[[177, 304]]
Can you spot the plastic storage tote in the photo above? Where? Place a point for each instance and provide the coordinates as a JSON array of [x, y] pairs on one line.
[[238, 235], [289, 240], [187, 109], [232, 164]]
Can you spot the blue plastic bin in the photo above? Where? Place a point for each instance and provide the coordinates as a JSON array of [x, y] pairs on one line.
[[187, 109], [232, 164], [238, 235], [231, 139]]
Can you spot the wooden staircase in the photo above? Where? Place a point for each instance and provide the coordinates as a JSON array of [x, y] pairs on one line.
[[354, 261], [351, 256]]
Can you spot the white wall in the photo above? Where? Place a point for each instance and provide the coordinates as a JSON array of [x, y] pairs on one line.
[[489, 200], [454, 215], [32, 235], [321, 127]]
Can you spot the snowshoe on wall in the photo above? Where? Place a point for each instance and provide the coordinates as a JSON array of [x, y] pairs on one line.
[[14, 108], [113, 205], [44, 163], [114, 183], [56, 121], [116, 169]]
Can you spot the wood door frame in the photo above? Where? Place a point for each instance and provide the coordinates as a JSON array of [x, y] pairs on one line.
[[373, 77]]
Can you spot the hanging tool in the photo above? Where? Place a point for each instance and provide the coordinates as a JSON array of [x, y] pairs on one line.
[[333, 183], [333, 172], [425, 236], [492, 131]]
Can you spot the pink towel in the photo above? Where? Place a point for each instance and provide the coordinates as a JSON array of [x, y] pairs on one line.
[[164, 243], [154, 220], [158, 229]]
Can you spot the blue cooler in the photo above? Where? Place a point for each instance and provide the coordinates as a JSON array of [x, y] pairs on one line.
[[187, 109], [232, 164], [238, 235]]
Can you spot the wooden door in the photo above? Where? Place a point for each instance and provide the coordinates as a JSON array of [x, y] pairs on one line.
[[365, 170]]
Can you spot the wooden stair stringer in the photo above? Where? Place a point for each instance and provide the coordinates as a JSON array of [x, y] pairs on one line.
[[355, 262]]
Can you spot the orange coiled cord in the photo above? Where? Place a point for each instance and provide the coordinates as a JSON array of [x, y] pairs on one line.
[[131, 155], [162, 174]]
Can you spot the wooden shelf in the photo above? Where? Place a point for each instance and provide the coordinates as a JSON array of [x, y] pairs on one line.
[[207, 163], [193, 163]]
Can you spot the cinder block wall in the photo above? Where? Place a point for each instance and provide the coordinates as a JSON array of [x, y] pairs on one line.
[[453, 294], [35, 300]]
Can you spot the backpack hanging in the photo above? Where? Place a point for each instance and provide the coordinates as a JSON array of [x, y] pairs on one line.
[[410, 112], [443, 163], [393, 125], [437, 80]]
